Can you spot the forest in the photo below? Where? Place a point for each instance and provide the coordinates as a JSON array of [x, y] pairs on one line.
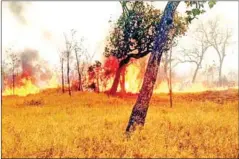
[[163, 85]]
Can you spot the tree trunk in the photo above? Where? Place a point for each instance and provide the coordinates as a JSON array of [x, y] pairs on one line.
[[122, 82], [220, 73], [195, 74], [115, 84], [170, 78], [140, 108], [98, 82], [62, 75], [68, 73], [13, 81], [79, 73]]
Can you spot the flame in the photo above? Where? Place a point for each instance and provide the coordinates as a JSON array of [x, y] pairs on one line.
[[25, 89], [132, 82]]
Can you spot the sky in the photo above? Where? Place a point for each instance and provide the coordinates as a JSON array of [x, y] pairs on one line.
[[40, 25]]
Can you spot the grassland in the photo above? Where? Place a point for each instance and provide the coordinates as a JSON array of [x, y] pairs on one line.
[[51, 124]]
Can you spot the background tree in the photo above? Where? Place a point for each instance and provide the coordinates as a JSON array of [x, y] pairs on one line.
[[14, 63], [161, 44], [62, 60], [79, 51], [219, 39], [196, 54], [71, 45], [167, 61]]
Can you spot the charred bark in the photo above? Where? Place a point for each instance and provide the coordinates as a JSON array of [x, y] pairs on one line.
[[140, 108]]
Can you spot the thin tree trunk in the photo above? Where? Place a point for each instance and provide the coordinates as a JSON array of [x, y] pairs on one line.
[[62, 75], [68, 73], [98, 82], [195, 73], [220, 72], [170, 78], [13, 81], [140, 108], [79, 73]]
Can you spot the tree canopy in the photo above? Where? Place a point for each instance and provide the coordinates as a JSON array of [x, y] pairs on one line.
[[134, 32]]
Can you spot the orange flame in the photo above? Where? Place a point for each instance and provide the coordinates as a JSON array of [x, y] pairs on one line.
[[25, 89], [29, 88]]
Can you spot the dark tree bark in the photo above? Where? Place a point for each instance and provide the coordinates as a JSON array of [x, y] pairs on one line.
[[140, 108]]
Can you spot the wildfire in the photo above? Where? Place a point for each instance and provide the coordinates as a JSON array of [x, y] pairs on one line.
[[28, 87], [132, 82], [25, 89]]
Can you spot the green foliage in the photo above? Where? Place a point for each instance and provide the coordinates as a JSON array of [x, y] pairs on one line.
[[196, 8], [211, 3], [136, 28]]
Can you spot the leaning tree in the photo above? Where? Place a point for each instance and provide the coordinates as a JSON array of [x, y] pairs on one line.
[[162, 40], [133, 35]]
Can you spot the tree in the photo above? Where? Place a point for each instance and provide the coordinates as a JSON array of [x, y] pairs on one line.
[[219, 39], [70, 45], [133, 35], [14, 62], [94, 76], [196, 54], [62, 59], [167, 67], [162, 39], [79, 48]]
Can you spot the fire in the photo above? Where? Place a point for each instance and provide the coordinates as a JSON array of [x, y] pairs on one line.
[[25, 89], [28, 87], [132, 82]]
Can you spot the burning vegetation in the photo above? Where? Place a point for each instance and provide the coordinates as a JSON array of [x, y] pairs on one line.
[[63, 103]]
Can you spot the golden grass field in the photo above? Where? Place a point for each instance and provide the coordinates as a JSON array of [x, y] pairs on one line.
[[52, 124]]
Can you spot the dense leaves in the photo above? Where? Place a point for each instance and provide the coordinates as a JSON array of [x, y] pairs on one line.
[[134, 32]]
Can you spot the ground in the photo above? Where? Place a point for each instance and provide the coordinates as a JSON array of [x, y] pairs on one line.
[[51, 124]]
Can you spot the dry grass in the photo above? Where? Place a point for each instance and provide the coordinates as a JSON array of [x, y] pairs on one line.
[[92, 125]]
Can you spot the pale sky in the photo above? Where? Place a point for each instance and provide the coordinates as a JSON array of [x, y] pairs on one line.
[[46, 22]]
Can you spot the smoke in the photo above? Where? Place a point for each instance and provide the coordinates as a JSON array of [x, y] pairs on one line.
[[17, 8], [33, 67]]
